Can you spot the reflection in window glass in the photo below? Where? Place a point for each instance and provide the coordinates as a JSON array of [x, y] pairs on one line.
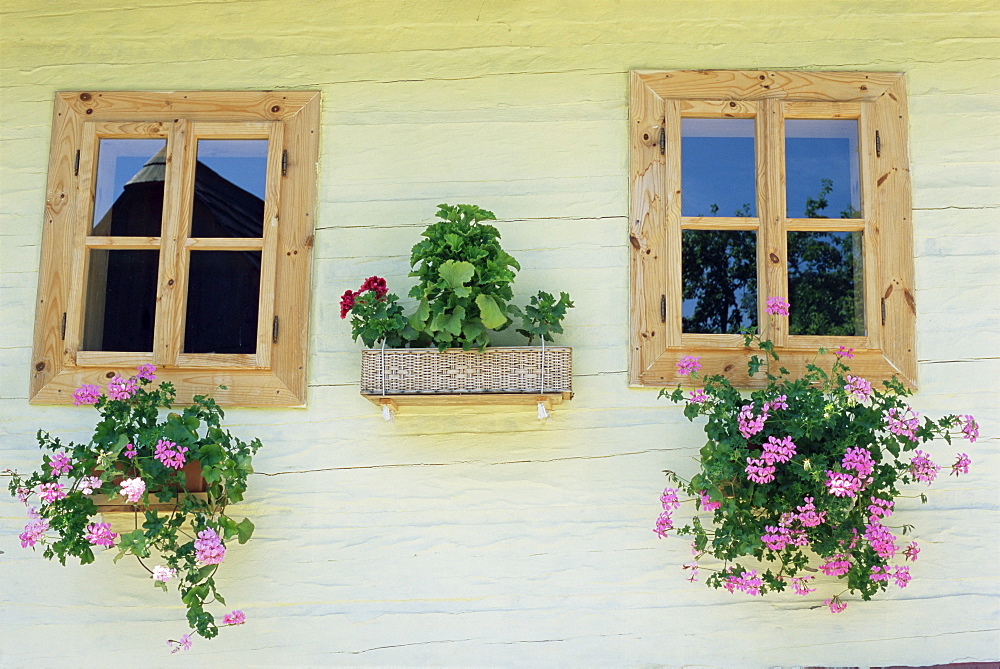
[[222, 304], [719, 274], [718, 169], [229, 188], [121, 300], [825, 283], [822, 168], [128, 195]]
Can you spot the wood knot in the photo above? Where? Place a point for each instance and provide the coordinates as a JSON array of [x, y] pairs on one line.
[[774, 258], [634, 241], [651, 135], [170, 282], [85, 97], [109, 375], [275, 109], [40, 366], [728, 368]]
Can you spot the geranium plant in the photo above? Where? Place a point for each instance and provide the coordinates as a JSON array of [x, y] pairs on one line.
[[137, 455], [463, 290], [802, 477]]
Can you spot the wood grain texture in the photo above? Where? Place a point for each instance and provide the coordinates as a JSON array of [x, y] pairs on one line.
[[470, 535], [183, 119], [828, 98], [650, 204]]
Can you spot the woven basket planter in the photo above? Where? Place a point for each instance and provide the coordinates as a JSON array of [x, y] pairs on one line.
[[501, 371]]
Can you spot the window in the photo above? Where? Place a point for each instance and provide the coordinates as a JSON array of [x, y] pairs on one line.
[[748, 184], [178, 232]]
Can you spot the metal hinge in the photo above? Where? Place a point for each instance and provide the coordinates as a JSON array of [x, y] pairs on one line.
[[878, 144], [76, 164], [274, 330], [284, 163], [663, 308], [663, 139], [63, 328]]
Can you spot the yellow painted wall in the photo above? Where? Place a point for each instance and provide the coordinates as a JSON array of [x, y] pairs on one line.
[[481, 536]]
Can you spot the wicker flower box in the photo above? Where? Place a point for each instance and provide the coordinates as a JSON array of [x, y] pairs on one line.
[[497, 375]]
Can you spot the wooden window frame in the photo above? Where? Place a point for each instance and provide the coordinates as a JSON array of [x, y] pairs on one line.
[[658, 100], [273, 376]]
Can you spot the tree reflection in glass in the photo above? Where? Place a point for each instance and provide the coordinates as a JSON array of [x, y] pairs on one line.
[[719, 275], [825, 283]]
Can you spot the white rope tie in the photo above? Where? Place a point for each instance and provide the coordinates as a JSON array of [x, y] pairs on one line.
[[381, 358], [386, 410], [543, 414]]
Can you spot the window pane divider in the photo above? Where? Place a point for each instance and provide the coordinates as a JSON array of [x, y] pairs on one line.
[[825, 224], [122, 243], [224, 243], [720, 223], [178, 198], [772, 255]]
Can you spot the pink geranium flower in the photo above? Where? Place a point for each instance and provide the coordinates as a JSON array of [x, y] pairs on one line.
[[777, 306]]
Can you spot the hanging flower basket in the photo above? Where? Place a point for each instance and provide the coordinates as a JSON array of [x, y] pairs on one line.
[[467, 377]]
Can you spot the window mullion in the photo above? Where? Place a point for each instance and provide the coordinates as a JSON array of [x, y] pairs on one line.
[[772, 260], [178, 197]]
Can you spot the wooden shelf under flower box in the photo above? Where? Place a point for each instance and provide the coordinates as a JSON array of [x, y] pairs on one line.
[[514, 375]]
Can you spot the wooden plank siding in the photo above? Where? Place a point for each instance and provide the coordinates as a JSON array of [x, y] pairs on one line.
[[478, 535]]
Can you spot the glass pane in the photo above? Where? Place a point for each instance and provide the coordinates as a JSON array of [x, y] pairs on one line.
[[718, 169], [719, 280], [128, 197], [222, 305], [120, 300], [229, 188], [821, 164], [826, 283]]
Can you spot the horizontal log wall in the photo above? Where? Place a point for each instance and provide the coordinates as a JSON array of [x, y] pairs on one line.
[[480, 535]]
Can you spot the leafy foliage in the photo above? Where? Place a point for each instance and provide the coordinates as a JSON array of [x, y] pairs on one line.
[[803, 474], [464, 279], [543, 315], [463, 290], [123, 448], [380, 318]]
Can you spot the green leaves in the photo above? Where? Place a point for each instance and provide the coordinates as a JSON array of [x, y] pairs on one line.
[[464, 279], [456, 274], [543, 315], [226, 464], [489, 312], [839, 435]]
